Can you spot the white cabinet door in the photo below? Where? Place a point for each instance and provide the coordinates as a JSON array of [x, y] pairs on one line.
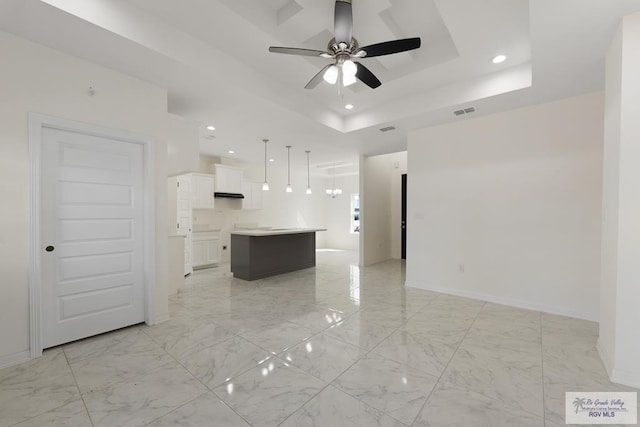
[[252, 196], [202, 191], [199, 253], [206, 248], [212, 251], [184, 201], [228, 179]]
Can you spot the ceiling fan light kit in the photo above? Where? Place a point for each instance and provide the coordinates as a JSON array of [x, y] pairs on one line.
[[344, 48]]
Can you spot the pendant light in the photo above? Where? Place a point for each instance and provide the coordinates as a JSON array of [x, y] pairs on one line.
[[308, 174], [265, 185], [334, 191], [289, 189]]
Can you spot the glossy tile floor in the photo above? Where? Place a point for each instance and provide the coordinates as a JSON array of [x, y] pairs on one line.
[[331, 346]]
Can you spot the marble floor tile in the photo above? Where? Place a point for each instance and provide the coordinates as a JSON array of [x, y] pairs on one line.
[[334, 408], [507, 321], [141, 401], [116, 342], [73, 414], [384, 313], [323, 357], [497, 365], [181, 337], [447, 327], [500, 368], [36, 387], [418, 351], [268, 394], [319, 319], [206, 410], [223, 361], [102, 362], [278, 336], [393, 388], [360, 332], [451, 406], [452, 302]]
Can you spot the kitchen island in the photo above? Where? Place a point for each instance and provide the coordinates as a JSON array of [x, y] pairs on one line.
[[256, 254]]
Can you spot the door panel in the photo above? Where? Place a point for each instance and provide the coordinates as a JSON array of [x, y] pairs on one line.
[[93, 207]]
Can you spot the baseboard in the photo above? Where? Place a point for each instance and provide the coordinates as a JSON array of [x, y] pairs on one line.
[[162, 319], [631, 379], [508, 301], [607, 361], [15, 359]]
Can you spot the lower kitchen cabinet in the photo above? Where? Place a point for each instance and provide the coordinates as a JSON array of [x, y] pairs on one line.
[[205, 249]]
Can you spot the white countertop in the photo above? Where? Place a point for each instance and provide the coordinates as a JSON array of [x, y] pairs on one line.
[[276, 231]]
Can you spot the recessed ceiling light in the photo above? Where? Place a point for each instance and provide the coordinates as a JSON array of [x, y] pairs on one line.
[[232, 152], [499, 59], [272, 160], [349, 106], [211, 127]]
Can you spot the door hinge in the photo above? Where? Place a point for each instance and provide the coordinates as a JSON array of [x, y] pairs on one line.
[[178, 183], [178, 226]]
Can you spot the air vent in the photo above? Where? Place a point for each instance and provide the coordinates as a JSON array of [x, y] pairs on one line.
[[465, 111], [388, 128]]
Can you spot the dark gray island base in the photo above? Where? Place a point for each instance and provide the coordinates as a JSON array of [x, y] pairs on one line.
[[264, 253]]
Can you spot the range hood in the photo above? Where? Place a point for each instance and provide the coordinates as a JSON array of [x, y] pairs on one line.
[[228, 196]]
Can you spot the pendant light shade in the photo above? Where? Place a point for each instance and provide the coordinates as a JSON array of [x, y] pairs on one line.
[[289, 189], [308, 174], [334, 192], [265, 184]]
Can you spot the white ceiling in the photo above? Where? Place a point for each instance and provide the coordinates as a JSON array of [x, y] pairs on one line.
[[212, 57]]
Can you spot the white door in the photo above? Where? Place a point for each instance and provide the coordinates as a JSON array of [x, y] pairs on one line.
[[92, 201], [185, 218]]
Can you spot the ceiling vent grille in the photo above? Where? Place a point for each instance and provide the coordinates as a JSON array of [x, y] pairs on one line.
[[465, 111], [388, 128]]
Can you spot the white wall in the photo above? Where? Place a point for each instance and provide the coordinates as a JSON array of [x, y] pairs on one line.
[[42, 80], [338, 213], [280, 209], [380, 202], [514, 199], [183, 145], [619, 292]]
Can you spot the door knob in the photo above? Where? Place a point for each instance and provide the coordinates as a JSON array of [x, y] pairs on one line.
[[50, 249]]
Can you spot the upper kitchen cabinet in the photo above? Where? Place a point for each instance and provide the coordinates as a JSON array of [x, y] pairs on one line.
[[202, 189], [252, 196], [228, 179]]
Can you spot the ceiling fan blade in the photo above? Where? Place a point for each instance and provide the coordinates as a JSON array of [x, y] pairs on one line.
[[367, 77], [394, 46], [343, 22], [315, 81], [300, 51]]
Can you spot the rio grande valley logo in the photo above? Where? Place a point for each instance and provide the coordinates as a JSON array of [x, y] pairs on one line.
[[601, 408]]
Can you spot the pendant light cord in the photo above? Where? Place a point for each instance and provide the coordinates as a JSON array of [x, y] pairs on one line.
[[265, 159], [288, 165], [308, 171]]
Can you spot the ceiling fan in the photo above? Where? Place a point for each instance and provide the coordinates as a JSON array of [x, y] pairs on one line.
[[344, 49]]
